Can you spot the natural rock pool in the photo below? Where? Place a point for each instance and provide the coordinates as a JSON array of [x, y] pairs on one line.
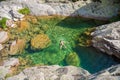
[[58, 28]]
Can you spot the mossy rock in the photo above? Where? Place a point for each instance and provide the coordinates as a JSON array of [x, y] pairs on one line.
[[40, 41], [85, 39], [17, 47], [72, 59]]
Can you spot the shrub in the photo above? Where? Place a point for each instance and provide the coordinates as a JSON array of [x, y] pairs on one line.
[[72, 59], [3, 23], [24, 11]]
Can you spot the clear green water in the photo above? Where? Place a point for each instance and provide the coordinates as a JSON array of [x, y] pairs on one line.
[[67, 29]]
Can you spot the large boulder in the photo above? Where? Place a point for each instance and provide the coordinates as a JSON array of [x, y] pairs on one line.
[[112, 73], [8, 67], [3, 36], [54, 72], [87, 8], [40, 41], [6, 6], [107, 38]]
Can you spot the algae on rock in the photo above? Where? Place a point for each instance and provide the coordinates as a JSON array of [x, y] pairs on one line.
[[73, 59], [40, 41]]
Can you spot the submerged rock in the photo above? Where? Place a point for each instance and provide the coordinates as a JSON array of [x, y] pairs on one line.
[[107, 38], [23, 25], [3, 36], [40, 41], [72, 59], [17, 46], [51, 73]]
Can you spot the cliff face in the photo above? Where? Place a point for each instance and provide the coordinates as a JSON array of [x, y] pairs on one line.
[[91, 9]]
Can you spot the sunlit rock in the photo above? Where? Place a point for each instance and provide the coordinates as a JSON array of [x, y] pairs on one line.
[[52, 72], [8, 67], [3, 36], [107, 38]]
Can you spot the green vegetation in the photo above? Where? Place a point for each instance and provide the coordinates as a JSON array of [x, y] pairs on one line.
[[73, 59], [3, 23], [56, 28], [24, 11]]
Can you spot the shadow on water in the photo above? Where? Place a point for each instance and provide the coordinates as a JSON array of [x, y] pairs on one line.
[[93, 60]]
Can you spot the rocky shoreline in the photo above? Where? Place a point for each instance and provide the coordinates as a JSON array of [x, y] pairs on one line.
[[105, 38], [88, 9]]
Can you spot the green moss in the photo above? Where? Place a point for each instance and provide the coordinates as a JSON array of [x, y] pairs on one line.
[[3, 23], [24, 11], [72, 59]]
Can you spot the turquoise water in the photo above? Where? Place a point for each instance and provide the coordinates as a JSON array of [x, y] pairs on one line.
[[68, 30], [94, 60]]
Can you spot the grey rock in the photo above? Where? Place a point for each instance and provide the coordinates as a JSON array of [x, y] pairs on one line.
[[6, 6], [6, 67], [54, 72], [3, 36], [107, 38], [87, 8]]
